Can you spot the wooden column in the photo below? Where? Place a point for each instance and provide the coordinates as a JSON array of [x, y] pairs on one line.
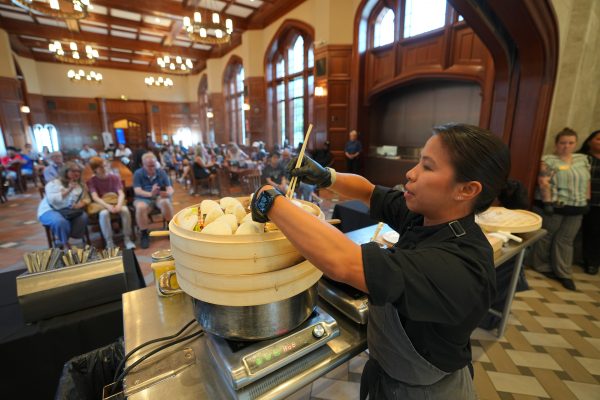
[[217, 123], [331, 114], [12, 122], [255, 96]]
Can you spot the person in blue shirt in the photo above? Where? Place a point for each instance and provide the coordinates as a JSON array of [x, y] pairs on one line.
[[153, 189], [352, 151]]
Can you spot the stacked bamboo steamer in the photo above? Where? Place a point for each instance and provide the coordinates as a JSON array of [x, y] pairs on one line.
[[240, 270]]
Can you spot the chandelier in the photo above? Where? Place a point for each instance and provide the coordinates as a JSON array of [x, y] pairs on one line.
[[175, 65], [65, 9], [72, 55], [160, 81], [213, 30], [82, 76]]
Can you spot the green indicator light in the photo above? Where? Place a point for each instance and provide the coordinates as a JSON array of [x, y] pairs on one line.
[[267, 357], [277, 352], [259, 361]]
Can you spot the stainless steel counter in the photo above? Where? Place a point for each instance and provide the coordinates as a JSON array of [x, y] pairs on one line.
[[186, 370]]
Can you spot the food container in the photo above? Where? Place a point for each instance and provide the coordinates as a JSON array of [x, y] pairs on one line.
[[245, 287]]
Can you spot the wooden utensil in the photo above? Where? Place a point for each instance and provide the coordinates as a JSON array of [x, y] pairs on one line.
[[294, 180]]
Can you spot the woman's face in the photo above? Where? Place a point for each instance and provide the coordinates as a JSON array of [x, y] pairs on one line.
[[74, 174], [566, 145], [594, 143], [431, 188]]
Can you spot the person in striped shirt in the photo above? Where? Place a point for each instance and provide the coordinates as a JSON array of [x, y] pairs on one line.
[[562, 199]]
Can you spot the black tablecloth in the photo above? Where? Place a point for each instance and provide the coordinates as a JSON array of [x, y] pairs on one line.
[[33, 354], [354, 215]]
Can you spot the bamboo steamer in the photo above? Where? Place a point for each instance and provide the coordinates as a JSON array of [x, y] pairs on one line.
[[233, 254], [247, 290]]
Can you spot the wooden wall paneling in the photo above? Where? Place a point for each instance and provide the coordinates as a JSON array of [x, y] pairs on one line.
[[256, 116], [217, 102], [420, 54], [12, 122], [133, 111], [77, 122], [380, 66], [38, 109]]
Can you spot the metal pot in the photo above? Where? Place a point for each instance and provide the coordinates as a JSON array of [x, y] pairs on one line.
[[256, 322]]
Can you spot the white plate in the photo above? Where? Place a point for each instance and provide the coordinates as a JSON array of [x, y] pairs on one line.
[[391, 237]]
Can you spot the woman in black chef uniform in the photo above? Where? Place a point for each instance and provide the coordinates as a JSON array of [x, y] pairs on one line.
[[428, 292]]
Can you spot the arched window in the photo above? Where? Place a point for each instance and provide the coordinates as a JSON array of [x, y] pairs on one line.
[[234, 101], [423, 16], [290, 84], [383, 31], [45, 135]]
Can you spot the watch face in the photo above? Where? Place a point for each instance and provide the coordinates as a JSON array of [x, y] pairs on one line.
[[263, 201]]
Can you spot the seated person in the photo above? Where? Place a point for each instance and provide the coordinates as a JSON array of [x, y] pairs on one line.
[[87, 152], [63, 207], [274, 174], [201, 171], [55, 162], [323, 155], [12, 163], [236, 156], [101, 184], [152, 188]]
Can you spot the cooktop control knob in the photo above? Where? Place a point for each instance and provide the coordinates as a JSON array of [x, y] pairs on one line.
[[318, 331]]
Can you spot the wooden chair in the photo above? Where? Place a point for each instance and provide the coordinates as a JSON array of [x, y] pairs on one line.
[[251, 180], [3, 197], [197, 183], [225, 186]]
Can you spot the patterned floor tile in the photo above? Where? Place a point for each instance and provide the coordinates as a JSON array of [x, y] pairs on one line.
[[531, 359], [584, 391], [538, 283], [592, 365], [559, 323], [329, 389], [479, 355], [552, 384], [532, 294], [574, 296], [588, 287], [566, 309], [547, 339], [357, 364], [512, 383], [520, 305], [483, 335]]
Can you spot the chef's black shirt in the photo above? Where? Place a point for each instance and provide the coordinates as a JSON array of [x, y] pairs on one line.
[[441, 284]]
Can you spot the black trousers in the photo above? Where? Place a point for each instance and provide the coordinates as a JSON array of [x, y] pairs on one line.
[[352, 165], [590, 228]]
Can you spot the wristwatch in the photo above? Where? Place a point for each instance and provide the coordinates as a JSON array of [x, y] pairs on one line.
[[265, 201]]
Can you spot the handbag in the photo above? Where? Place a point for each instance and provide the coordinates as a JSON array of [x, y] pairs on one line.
[[110, 198], [70, 213]]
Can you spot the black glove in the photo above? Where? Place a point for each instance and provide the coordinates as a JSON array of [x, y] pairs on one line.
[[310, 172], [548, 209]]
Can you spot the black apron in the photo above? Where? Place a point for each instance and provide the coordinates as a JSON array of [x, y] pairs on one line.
[[396, 370]]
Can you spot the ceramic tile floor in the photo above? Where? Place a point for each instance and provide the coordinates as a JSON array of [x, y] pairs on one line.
[[551, 348]]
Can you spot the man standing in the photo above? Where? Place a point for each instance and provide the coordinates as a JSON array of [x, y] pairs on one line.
[[54, 165], [352, 151], [101, 186], [152, 189]]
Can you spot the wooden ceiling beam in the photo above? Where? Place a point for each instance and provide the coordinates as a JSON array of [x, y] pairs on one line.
[[109, 20], [270, 12], [54, 33], [150, 69], [162, 8]]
